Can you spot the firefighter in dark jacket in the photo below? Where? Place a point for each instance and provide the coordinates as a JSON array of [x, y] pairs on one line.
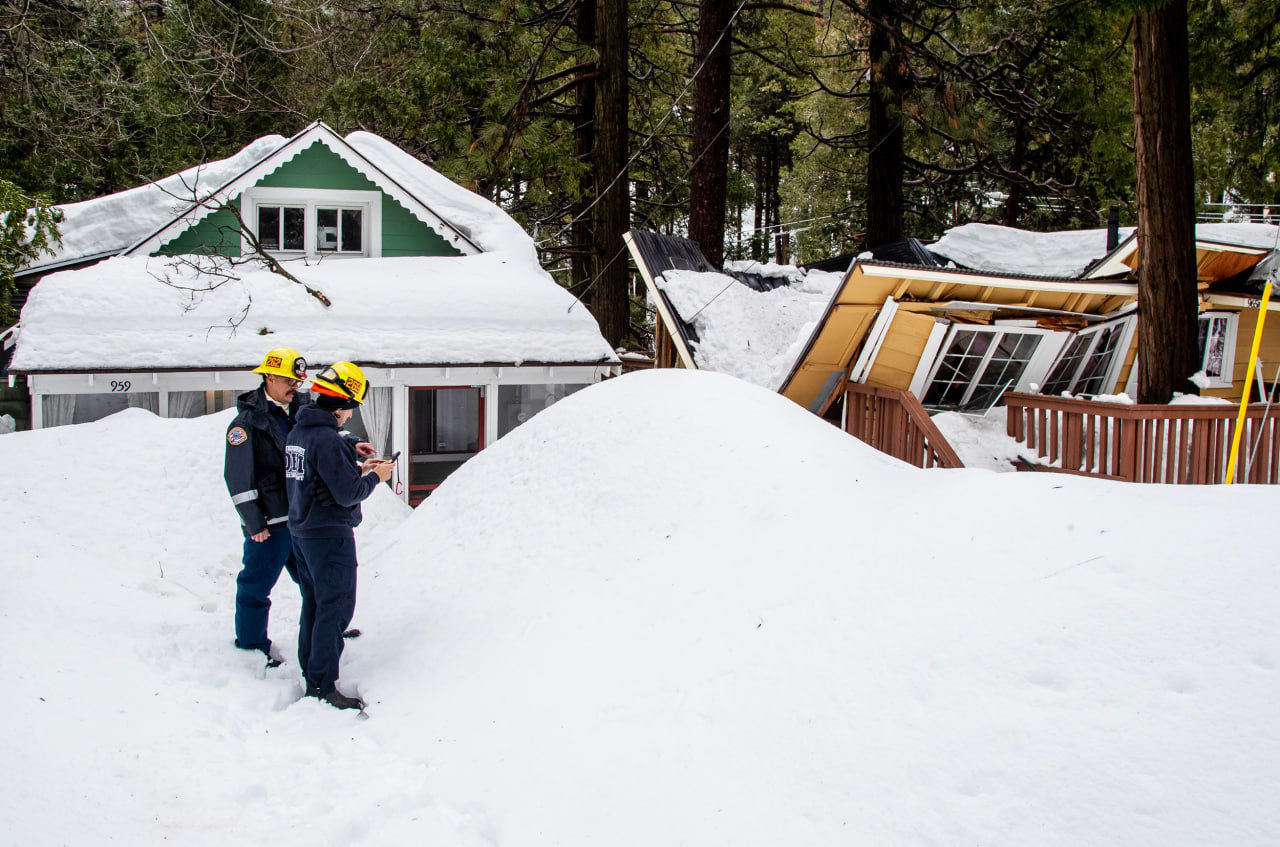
[[254, 472], [326, 483]]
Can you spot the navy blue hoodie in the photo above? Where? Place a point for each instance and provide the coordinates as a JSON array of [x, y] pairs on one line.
[[322, 476]]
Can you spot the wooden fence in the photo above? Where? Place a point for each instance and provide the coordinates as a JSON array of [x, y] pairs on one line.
[[1146, 443], [894, 422]]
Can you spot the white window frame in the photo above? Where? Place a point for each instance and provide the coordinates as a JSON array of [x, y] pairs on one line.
[[1046, 352], [368, 202], [1124, 342], [1225, 379]]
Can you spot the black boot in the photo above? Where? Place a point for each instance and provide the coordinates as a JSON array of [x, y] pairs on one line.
[[351, 633], [339, 700]]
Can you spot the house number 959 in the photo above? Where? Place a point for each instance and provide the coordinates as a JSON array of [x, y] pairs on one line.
[[119, 385]]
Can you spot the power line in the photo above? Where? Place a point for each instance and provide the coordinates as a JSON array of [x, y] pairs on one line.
[[670, 112], [623, 249]]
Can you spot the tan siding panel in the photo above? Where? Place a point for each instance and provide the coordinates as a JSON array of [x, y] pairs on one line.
[[899, 355]]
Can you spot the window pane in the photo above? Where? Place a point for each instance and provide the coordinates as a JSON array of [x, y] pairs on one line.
[[1213, 345], [457, 421], [518, 403], [326, 229], [1099, 362], [1008, 362], [269, 227], [1064, 370], [958, 367], [294, 228], [352, 230]]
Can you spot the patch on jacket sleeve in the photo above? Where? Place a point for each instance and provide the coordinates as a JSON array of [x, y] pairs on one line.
[[237, 436]]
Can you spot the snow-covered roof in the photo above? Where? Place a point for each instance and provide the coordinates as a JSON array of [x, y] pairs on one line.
[[482, 221], [487, 308], [753, 335], [107, 225], [1067, 254], [143, 218]]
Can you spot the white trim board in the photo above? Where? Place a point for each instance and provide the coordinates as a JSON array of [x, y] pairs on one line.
[[994, 281]]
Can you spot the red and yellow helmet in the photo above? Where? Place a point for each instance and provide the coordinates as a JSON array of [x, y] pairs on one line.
[[342, 379]]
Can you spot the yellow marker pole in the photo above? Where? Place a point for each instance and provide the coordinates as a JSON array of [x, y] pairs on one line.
[[1248, 385]]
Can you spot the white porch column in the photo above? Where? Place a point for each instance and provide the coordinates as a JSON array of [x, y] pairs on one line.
[[400, 436], [490, 413], [37, 411]]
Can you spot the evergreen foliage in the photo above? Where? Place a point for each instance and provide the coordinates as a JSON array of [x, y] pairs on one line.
[[1011, 112]]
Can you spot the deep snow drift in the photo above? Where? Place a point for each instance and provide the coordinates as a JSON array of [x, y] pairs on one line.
[[671, 609]]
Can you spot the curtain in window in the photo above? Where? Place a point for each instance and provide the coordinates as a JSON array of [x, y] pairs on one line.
[[376, 414], [186, 404], [58, 408], [149, 400]]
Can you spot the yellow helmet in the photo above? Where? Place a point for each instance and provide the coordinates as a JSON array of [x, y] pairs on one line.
[[342, 379], [285, 362]]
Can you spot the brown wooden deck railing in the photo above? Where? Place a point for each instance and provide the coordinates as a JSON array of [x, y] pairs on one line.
[[894, 422], [1146, 443]]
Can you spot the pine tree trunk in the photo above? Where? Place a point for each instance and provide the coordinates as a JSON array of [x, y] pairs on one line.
[[885, 156], [1167, 307], [607, 297], [709, 177], [581, 264]]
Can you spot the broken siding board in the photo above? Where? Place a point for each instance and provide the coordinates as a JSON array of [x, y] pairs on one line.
[[1216, 265]]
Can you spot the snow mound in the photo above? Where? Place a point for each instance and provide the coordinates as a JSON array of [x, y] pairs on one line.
[[672, 608]]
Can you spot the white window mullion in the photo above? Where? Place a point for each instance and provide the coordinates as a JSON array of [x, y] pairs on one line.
[[996, 335]]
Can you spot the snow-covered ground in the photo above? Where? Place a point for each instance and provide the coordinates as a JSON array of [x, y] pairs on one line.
[[671, 609]]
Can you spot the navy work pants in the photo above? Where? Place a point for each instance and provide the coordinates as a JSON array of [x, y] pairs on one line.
[[327, 577], [263, 561]]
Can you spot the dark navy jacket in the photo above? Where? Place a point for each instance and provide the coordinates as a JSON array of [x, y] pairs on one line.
[[254, 465], [322, 473]]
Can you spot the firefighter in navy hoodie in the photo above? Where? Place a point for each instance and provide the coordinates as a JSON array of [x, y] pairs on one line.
[[254, 473], [326, 483]]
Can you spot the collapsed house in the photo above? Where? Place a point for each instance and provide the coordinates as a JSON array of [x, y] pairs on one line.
[[983, 311]]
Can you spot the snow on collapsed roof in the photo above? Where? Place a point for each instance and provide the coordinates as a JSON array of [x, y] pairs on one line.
[[753, 335], [415, 310], [117, 221], [1003, 249], [111, 223], [990, 247]]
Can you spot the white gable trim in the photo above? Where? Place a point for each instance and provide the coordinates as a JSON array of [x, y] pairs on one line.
[[286, 153]]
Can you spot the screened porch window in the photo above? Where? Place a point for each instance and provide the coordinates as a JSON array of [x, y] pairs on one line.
[[978, 365], [518, 403], [446, 428]]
